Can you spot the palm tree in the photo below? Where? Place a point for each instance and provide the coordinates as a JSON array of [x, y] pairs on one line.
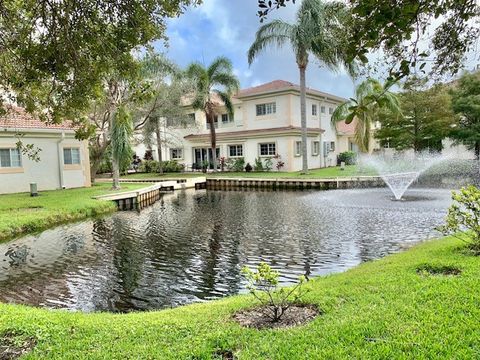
[[370, 97], [318, 31], [121, 131], [216, 80]]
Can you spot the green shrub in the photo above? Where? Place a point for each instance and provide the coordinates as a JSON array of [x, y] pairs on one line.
[[264, 286], [464, 215], [349, 157], [149, 166], [172, 166], [238, 165], [258, 165], [267, 164]]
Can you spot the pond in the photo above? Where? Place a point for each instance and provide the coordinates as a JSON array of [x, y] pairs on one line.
[[191, 245]]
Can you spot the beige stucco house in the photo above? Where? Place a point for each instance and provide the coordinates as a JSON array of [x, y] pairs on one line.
[[64, 161], [266, 122]]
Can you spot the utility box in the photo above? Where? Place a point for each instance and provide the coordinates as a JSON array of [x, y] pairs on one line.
[[33, 189]]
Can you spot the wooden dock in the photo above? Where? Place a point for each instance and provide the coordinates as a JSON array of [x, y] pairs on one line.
[[138, 199]]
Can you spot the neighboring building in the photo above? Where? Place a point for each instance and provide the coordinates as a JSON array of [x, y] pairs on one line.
[[266, 123], [64, 161]]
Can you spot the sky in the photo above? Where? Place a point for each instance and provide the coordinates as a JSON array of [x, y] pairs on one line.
[[227, 28]]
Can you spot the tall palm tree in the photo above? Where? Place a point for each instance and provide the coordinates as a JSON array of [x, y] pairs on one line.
[[216, 80], [370, 97], [318, 31]]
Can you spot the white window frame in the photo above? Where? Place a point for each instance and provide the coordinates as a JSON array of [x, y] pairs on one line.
[[330, 110], [176, 157], [315, 148], [298, 148], [78, 160], [269, 148], [314, 110], [14, 162], [266, 109], [236, 147], [322, 109]]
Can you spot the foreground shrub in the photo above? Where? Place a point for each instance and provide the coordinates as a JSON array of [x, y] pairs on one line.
[[464, 215], [348, 157], [153, 166], [238, 165], [263, 285]]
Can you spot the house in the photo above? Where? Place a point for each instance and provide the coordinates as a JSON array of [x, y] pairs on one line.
[[266, 123], [63, 161]]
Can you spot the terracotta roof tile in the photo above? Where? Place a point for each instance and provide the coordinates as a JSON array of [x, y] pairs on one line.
[[18, 118], [346, 129]]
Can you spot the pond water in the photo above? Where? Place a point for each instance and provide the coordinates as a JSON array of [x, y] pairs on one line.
[[191, 245]]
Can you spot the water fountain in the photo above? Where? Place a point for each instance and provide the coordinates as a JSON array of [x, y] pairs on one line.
[[400, 170]]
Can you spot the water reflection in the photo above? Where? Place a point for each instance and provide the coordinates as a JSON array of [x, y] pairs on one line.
[[190, 246]]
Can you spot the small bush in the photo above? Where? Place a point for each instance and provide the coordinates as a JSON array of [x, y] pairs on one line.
[[149, 166], [258, 166], [348, 157], [248, 167], [464, 216], [263, 285], [153, 166], [238, 165], [267, 164]]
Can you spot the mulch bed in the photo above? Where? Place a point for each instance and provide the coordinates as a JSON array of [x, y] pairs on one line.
[[296, 315], [14, 345]]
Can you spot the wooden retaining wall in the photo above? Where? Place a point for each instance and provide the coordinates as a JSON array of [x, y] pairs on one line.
[[294, 184]]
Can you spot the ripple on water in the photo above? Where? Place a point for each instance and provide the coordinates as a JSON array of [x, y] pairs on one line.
[[190, 246]]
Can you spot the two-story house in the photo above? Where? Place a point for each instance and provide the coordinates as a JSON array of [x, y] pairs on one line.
[[266, 123]]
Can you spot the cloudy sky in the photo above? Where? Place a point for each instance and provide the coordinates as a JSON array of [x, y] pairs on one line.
[[227, 27]]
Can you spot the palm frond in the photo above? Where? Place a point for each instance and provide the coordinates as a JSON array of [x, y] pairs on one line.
[[121, 134], [219, 65], [275, 33], [227, 101]]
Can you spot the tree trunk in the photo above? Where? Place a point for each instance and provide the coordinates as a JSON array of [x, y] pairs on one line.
[[159, 146], [213, 139], [116, 174], [303, 117], [477, 150]]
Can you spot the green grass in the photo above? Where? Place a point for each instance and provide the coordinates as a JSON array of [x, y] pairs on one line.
[[379, 310], [331, 172], [21, 214]]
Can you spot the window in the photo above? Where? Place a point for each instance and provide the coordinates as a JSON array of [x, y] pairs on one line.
[[330, 110], [176, 154], [10, 158], [298, 148], [71, 156], [266, 109], [226, 119], [322, 109], [332, 146], [215, 123], [235, 150], [315, 148], [191, 116], [314, 109], [268, 149]]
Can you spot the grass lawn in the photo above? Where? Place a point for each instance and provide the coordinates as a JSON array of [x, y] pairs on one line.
[[20, 213], [331, 172], [379, 310]]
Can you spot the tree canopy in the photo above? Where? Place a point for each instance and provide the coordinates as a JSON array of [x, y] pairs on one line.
[[54, 54], [401, 28], [466, 103], [426, 118]]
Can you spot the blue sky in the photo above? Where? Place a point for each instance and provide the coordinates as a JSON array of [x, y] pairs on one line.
[[227, 27]]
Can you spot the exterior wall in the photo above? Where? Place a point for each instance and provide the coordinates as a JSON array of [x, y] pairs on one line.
[[49, 173], [245, 118]]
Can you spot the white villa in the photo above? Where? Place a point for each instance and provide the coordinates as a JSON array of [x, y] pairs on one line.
[[266, 123], [64, 161]]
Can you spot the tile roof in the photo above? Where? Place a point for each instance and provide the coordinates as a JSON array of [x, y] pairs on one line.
[[282, 85], [18, 118], [346, 129]]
